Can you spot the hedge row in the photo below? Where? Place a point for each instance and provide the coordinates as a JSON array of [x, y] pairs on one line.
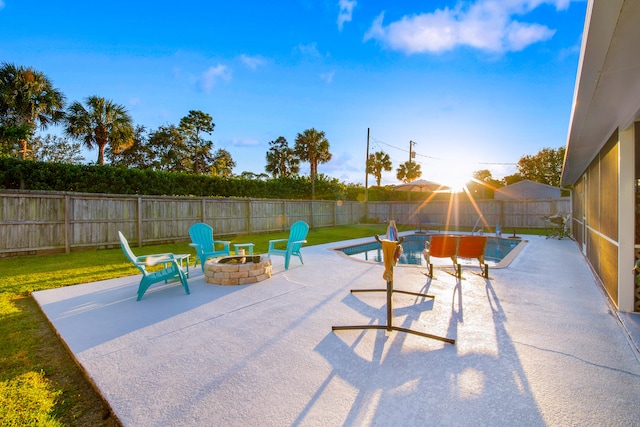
[[31, 175]]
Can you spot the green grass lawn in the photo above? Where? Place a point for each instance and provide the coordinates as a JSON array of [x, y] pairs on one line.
[[40, 384]]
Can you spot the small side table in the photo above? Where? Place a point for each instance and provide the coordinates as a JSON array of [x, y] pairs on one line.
[[249, 247]]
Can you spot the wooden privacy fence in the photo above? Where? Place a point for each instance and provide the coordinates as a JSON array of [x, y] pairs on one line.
[[36, 222], [509, 214]]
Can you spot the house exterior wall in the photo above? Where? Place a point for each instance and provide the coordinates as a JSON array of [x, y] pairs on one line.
[[603, 220], [601, 160]]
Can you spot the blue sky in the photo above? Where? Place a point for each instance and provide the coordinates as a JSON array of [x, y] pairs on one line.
[[476, 84]]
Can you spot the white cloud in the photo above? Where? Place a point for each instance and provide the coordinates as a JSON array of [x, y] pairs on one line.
[[252, 62], [340, 161], [328, 77], [310, 49], [488, 25], [346, 11], [209, 78], [519, 35], [245, 142]]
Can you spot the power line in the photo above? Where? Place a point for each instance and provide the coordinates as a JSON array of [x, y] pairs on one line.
[[439, 158], [405, 150]]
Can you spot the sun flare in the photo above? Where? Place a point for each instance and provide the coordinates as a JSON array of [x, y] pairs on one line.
[[457, 177]]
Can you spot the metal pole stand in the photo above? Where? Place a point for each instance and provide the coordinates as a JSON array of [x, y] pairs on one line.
[[389, 326]]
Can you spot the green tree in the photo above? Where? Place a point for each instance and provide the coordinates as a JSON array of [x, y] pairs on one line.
[[253, 175], [170, 153], [312, 146], [193, 126], [27, 100], [484, 176], [100, 123], [377, 163], [281, 159], [482, 184], [53, 148], [138, 155], [223, 163], [544, 167], [10, 138], [408, 171]]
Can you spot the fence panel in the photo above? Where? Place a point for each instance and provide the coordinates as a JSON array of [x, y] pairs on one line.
[[348, 212], [30, 222], [95, 221], [323, 213], [226, 216], [527, 213], [167, 218], [297, 210], [268, 215]]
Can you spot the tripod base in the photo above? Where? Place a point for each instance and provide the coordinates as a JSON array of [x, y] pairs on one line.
[[389, 326], [394, 291], [395, 328]]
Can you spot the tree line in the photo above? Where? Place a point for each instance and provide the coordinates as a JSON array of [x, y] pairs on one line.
[[29, 101], [544, 167]]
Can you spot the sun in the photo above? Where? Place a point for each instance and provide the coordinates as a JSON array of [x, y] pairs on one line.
[[457, 176], [459, 183]]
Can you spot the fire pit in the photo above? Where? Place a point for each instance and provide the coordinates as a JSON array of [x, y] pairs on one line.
[[237, 270]]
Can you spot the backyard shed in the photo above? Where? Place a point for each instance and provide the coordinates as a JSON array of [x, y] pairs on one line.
[[527, 190]]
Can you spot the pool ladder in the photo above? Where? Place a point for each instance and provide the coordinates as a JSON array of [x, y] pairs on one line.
[[478, 226]]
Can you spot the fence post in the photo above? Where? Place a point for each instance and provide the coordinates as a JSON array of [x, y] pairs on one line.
[[140, 221], [284, 215], [352, 220], [67, 229]]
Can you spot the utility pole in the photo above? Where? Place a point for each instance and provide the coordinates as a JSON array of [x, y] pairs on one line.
[[412, 154], [366, 173]]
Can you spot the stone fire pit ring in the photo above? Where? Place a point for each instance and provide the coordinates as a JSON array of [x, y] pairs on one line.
[[233, 271]]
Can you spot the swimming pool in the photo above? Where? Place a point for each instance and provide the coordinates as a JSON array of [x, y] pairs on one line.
[[498, 253]]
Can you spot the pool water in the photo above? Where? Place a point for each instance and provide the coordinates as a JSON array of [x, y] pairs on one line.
[[496, 250]]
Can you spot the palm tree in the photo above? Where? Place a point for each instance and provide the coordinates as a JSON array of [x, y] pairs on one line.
[[378, 162], [408, 171], [313, 147], [27, 100], [102, 122]]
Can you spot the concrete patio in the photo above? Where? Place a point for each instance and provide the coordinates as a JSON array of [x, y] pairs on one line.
[[538, 344]]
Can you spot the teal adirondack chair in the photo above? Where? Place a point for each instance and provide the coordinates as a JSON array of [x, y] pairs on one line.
[[297, 236], [202, 240], [171, 270]]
